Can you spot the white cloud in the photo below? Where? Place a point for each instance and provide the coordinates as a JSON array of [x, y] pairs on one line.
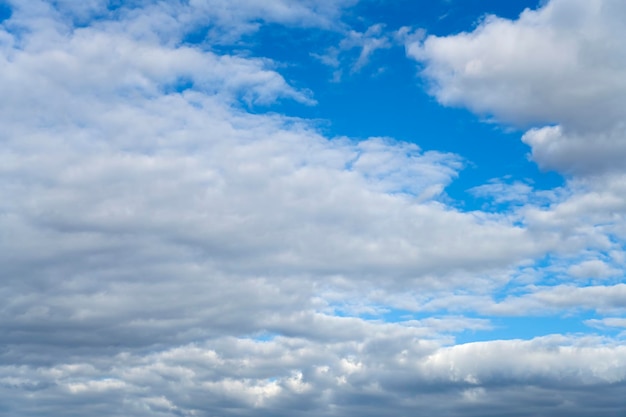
[[561, 64], [498, 362], [502, 192], [90, 61], [578, 153], [607, 322], [594, 268], [599, 298]]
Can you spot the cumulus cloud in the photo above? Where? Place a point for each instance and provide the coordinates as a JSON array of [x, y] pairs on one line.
[[560, 65], [578, 153]]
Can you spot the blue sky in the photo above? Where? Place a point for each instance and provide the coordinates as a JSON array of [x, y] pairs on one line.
[[386, 98], [312, 208]]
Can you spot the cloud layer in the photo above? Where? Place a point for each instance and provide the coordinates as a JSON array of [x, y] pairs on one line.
[[169, 249]]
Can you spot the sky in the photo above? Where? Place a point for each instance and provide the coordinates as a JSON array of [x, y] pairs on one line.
[[312, 208]]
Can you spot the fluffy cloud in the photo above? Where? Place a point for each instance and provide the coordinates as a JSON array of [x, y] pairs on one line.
[[561, 65], [578, 153], [593, 269]]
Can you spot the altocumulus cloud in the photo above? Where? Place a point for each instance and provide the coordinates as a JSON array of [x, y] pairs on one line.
[[166, 250]]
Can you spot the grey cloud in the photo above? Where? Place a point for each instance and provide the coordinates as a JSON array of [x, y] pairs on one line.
[[232, 377]]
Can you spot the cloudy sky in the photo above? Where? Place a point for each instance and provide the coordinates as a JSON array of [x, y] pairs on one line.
[[312, 208]]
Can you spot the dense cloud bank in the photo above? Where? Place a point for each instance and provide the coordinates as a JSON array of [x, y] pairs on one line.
[[167, 251], [287, 376]]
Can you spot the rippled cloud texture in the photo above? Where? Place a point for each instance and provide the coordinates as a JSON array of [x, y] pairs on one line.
[[173, 242]]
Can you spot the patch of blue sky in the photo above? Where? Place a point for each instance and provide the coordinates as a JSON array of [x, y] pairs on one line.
[[5, 11], [521, 325], [400, 315], [508, 194], [529, 327], [386, 314], [265, 336], [364, 311], [114, 5], [593, 267], [387, 98], [180, 85], [442, 17]]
